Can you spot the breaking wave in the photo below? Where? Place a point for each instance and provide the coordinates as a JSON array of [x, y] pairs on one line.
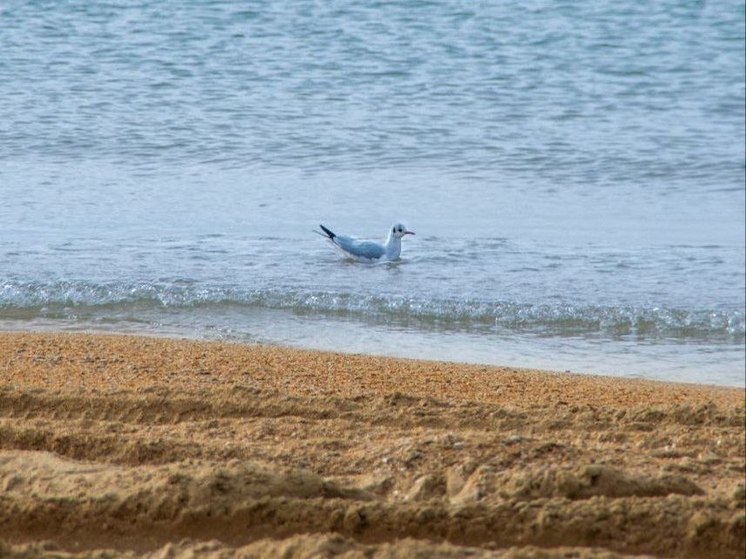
[[83, 300]]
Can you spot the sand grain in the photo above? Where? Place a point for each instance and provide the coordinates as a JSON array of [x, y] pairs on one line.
[[183, 448]]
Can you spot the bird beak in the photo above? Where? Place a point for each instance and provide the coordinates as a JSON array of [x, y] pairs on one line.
[[409, 232]]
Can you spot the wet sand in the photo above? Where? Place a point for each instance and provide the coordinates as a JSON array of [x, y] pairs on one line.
[[181, 448]]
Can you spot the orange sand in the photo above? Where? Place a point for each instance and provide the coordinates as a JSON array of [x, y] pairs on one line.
[[184, 448]]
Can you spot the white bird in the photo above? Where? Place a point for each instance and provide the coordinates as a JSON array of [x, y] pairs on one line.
[[368, 250]]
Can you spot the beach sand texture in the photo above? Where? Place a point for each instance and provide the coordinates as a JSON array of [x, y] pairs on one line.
[[179, 448]]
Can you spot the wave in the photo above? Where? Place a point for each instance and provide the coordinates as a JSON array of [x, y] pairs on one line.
[[84, 300]]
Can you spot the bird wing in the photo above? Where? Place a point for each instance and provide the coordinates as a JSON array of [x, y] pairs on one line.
[[360, 249]]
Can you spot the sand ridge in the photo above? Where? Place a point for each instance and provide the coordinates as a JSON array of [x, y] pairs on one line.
[[172, 447]]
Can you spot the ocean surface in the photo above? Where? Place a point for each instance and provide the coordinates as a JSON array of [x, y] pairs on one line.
[[574, 172]]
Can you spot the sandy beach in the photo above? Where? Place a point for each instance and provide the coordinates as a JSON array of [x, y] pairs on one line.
[[177, 448]]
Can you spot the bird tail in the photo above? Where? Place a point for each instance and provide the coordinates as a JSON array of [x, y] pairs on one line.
[[329, 234]]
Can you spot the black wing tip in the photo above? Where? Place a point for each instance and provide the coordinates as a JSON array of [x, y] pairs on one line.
[[329, 233]]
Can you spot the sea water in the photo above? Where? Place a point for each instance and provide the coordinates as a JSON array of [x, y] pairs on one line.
[[574, 173]]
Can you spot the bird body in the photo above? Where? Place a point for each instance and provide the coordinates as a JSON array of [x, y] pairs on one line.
[[368, 250]]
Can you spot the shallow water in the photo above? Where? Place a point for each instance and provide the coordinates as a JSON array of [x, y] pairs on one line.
[[575, 176]]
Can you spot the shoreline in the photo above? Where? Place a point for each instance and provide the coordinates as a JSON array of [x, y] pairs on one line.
[[399, 365], [363, 454], [539, 365]]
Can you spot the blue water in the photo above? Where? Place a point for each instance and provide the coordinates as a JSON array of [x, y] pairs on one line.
[[574, 172]]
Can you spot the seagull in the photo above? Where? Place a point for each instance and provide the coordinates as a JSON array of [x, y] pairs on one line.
[[368, 250]]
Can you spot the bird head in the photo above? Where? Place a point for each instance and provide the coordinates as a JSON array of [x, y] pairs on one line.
[[398, 231]]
